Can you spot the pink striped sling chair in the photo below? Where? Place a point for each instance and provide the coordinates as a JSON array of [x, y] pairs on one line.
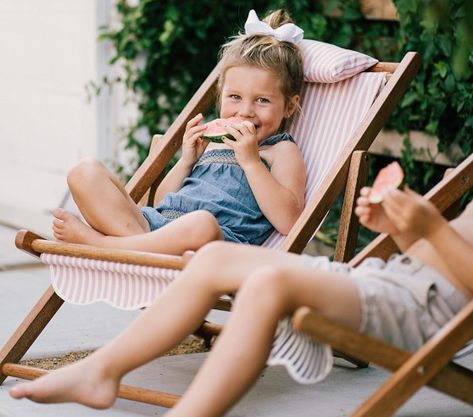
[[346, 99]]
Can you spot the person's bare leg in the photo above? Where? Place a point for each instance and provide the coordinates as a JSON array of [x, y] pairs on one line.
[[177, 313], [103, 201], [188, 232], [242, 349]]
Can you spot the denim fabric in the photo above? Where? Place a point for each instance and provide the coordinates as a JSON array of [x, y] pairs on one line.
[[219, 185]]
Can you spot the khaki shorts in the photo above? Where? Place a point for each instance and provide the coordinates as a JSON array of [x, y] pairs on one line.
[[403, 301]]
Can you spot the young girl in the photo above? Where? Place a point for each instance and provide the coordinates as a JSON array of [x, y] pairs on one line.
[[404, 301], [240, 190]]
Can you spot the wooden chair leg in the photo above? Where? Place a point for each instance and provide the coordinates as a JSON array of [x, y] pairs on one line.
[[127, 392], [208, 331], [349, 225], [451, 379], [421, 367], [30, 329]]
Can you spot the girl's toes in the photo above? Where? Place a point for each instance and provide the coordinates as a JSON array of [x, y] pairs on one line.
[[59, 213], [57, 222]]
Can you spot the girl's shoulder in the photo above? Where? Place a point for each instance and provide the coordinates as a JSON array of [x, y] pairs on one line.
[[280, 149], [278, 138]]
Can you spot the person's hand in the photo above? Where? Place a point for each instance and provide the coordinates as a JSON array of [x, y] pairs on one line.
[[193, 145], [410, 213], [373, 216], [245, 144]]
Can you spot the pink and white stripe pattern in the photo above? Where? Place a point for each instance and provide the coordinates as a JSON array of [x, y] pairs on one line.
[[327, 63], [330, 114], [126, 286]]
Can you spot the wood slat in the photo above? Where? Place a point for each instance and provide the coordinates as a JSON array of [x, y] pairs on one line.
[[128, 392], [33, 244], [422, 366], [30, 328], [453, 380], [349, 224]]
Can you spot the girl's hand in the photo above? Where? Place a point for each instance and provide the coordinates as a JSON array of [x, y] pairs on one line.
[[411, 213], [245, 144], [192, 144], [373, 216]]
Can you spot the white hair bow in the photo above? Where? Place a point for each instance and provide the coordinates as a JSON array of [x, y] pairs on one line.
[[288, 32]]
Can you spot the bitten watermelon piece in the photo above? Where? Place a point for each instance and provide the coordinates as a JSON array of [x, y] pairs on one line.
[[216, 129], [391, 176]]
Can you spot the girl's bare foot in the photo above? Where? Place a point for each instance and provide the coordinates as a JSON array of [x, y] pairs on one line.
[[69, 228], [79, 382]]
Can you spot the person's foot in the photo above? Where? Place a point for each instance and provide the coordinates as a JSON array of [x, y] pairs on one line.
[[78, 382], [69, 228]]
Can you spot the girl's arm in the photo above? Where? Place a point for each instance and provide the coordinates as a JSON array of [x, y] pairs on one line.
[[455, 250], [173, 180], [279, 193], [192, 148]]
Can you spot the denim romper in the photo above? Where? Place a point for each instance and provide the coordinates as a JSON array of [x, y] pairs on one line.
[[218, 184]]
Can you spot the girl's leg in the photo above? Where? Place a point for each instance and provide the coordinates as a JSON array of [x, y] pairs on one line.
[[189, 232], [103, 201], [243, 347], [217, 269]]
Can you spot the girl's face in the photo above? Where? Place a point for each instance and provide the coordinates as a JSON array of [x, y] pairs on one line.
[[255, 95]]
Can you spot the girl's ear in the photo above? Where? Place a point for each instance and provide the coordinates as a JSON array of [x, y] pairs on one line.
[[291, 106]]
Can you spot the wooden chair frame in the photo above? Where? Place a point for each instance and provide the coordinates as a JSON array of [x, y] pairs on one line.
[[399, 77]]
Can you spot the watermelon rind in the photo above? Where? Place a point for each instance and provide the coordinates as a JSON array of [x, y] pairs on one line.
[[217, 138], [381, 184], [375, 198]]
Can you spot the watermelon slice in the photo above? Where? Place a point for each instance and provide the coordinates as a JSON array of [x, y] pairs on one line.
[[216, 129], [391, 176]]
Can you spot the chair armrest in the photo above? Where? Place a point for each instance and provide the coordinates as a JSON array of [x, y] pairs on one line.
[[35, 245]]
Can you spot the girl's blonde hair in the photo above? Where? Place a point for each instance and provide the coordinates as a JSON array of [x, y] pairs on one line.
[[283, 59]]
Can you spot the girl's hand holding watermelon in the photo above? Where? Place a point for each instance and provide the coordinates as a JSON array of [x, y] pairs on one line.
[[410, 213], [245, 144], [384, 208], [373, 216], [192, 144]]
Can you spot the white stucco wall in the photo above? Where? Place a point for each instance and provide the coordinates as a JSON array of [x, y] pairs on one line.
[[48, 53]]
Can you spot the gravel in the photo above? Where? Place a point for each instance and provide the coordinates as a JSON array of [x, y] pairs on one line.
[[191, 344]]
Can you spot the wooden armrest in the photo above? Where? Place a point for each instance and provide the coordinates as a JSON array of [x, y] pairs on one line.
[[35, 245]]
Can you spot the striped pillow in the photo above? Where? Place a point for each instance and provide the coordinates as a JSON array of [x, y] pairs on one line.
[[326, 63]]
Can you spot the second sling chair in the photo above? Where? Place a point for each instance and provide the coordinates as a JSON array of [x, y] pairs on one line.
[[337, 119], [432, 364]]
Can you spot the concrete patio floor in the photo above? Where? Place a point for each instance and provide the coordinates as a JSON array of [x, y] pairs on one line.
[[23, 280]]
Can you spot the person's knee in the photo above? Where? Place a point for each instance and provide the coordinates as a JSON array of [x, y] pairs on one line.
[[266, 288], [216, 249], [204, 228], [208, 258], [88, 170]]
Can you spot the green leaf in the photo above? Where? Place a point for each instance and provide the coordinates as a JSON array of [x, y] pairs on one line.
[[408, 99], [442, 68], [432, 127], [450, 83], [445, 43]]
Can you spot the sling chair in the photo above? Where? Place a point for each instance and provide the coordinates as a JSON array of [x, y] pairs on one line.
[[338, 118], [432, 363]]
